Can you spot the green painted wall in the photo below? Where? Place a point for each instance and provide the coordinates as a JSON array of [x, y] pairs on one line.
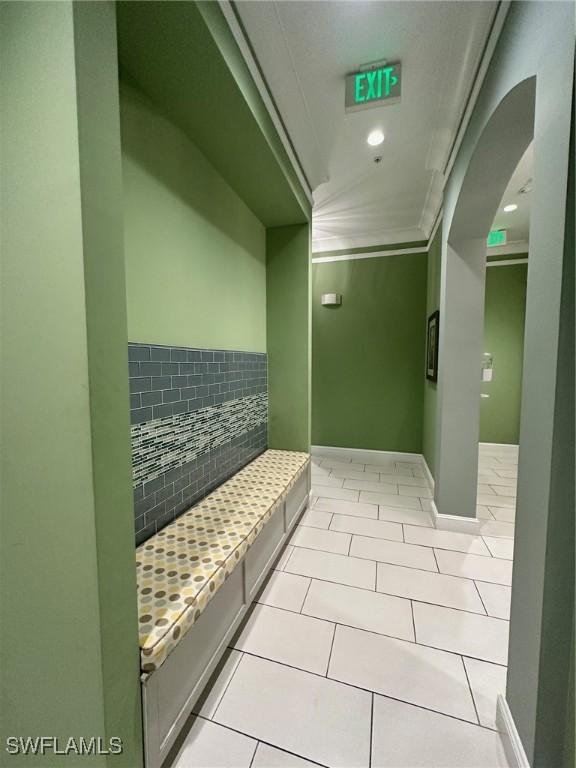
[[68, 636], [504, 312], [185, 58], [434, 265], [195, 253], [288, 311], [368, 353]]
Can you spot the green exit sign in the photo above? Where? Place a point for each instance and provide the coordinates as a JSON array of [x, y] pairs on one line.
[[373, 86], [496, 237]]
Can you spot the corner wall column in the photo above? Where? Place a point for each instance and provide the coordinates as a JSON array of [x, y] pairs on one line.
[[69, 639], [288, 334], [458, 394]]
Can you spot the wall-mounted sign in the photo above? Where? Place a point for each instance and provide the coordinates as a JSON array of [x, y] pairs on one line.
[[373, 86], [496, 237]]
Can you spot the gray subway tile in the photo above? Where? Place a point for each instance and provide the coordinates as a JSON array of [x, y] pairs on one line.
[[150, 369], [135, 401], [140, 414], [140, 384], [161, 382], [171, 395], [151, 398], [160, 353], [138, 353], [161, 411]]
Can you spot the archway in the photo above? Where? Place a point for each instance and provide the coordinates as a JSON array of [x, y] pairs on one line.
[[502, 144]]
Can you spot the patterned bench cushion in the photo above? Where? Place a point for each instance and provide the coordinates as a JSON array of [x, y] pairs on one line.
[[180, 569]]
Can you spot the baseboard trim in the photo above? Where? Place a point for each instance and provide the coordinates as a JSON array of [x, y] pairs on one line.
[[499, 445], [363, 455], [429, 476], [454, 523], [513, 746]]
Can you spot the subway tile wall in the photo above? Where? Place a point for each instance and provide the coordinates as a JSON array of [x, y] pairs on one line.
[[198, 416]]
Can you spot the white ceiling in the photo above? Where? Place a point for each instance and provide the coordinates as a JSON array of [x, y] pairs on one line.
[[305, 50], [517, 223]]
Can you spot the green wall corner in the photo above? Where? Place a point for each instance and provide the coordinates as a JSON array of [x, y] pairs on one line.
[[430, 387], [195, 252], [288, 313], [69, 651], [368, 353], [504, 314]]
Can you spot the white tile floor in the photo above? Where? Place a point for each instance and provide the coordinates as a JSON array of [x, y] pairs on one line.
[[378, 640]]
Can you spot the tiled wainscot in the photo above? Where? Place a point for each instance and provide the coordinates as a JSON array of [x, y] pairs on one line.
[[197, 416]]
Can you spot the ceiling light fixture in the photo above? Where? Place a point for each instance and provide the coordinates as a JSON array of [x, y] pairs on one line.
[[510, 208], [375, 138]]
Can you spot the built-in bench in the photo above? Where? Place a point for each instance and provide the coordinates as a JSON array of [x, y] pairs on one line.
[[196, 579]]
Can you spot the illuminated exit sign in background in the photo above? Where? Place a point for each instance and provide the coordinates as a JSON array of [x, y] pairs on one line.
[[373, 86]]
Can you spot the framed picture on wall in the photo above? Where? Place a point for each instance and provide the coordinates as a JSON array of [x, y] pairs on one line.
[[432, 346]]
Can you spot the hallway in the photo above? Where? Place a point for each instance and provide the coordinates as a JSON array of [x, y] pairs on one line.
[[378, 640], [299, 280]]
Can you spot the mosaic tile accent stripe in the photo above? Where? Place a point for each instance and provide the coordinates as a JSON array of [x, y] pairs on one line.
[[202, 419]]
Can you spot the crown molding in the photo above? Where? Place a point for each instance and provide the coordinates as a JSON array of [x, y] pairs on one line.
[[239, 35], [434, 197]]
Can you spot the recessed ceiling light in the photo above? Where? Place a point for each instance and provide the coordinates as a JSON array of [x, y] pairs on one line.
[[510, 208], [375, 138]]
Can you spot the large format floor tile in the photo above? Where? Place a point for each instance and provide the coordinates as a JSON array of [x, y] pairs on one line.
[[208, 745], [389, 468], [393, 552], [495, 480], [482, 637], [497, 528], [390, 500], [475, 567], [353, 571], [415, 490], [285, 590], [500, 547], [419, 482], [284, 557], [315, 518], [504, 514], [431, 537], [504, 490], [342, 466], [377, 487], [511, 474], [378, 529], [327, 492], [319, 480], [487, 681], [409, 516], [360, 608], [270, 757], [405, 736], [289, 638], [208, 702], [355, 475], [483, 513], [327, 541], [496, 599], [347, 508], [314, 717], [493, 500], [428, 587], [403, 670]]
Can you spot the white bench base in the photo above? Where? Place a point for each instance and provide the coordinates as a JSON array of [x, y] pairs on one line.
[[170, 692]]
